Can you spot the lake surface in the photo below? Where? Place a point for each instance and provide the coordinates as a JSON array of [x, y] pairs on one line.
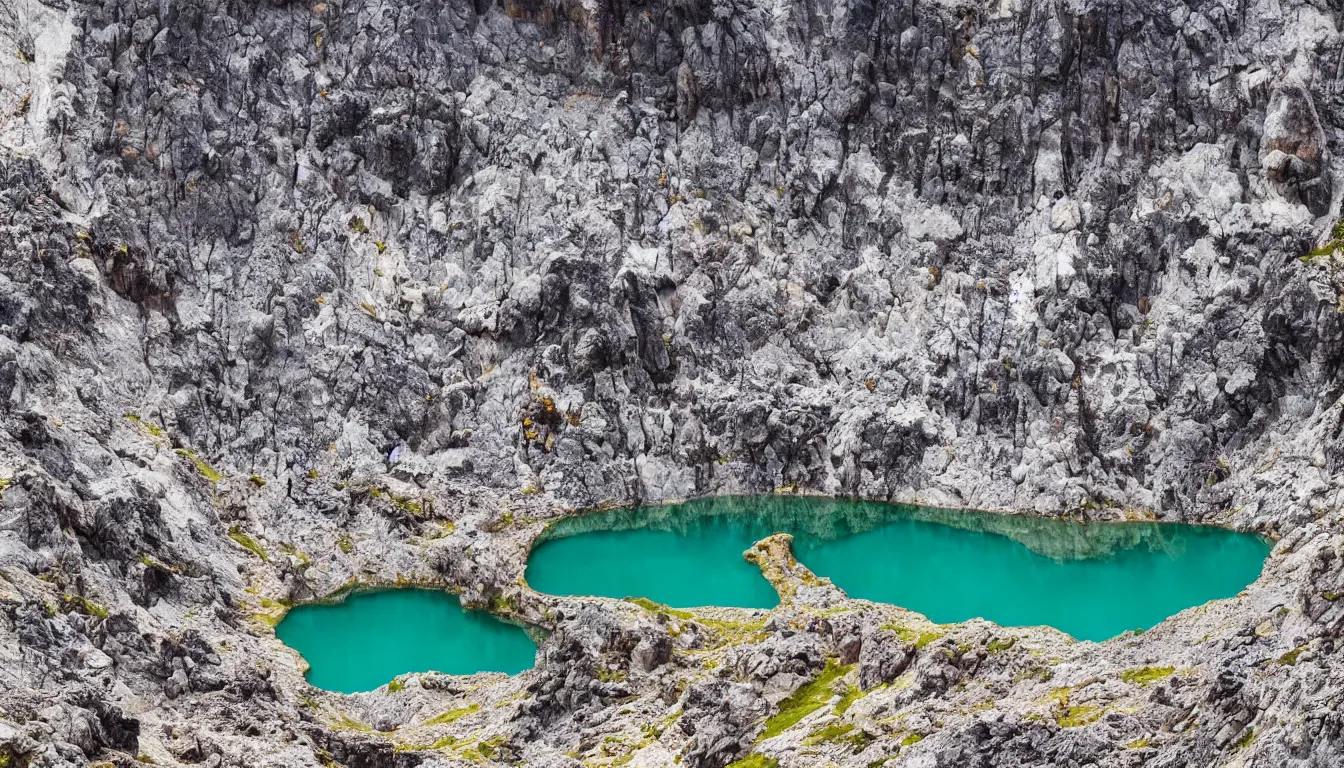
[[371, 637], [1092, 581]]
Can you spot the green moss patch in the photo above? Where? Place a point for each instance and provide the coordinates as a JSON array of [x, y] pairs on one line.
[[1290, 658], [1073, 716], [154, 430], [755, 760], [847, 700], [248, 543], [652, 607], [917, 638], [81, 604], [806, 700], [272, 611], [1078, 715], [1146, 675], [838, 733], [483, 750], [404, 503], [1336, 242], [734, 632], [611, 675], [290, 549], [444, 743], [452, 715], [207, 471], [9, 758], [1245, 740], [344, 722]]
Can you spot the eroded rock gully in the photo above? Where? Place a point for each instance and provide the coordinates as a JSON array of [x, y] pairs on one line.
[[295, 296]]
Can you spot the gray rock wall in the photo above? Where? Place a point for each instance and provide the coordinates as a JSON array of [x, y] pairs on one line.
[[1023, 257]]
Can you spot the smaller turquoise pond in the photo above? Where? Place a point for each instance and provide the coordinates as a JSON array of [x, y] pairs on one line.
[[371, 637], [1091, 581]]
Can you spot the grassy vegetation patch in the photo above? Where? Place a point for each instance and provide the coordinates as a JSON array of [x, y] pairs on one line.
[[444, 743], [838, 733], [755, 760], [483, 750], [149, 561], [1336, 242], [248, 543], [1245, 740], [439, 529], [1077, 715], [806, 700], [505, 605], [452, 715], [1072, 716], [733, 632], [344, 722], [207, 471], [1146, 675], [847, 700], [918, 638], [1044, 674], [272, 611], [652, 607], [405, 503], [151, 428], [81, 604], [1290, 658], [290, 549], [12, 759]]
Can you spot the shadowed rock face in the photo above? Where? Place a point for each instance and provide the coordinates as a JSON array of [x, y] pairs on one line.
[[384, 285]]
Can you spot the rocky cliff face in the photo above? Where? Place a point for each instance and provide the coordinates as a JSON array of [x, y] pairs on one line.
[[299, 295]]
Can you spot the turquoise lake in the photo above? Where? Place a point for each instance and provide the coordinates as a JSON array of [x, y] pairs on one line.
[[1092, 581], [369, 638]]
